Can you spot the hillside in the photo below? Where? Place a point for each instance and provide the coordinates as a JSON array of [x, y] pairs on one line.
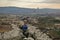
[[17, 10]]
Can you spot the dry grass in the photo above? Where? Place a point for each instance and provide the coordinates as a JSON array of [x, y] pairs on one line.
[[5, 28]]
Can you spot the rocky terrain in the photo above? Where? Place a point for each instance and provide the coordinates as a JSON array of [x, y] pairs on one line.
[[16, 34]]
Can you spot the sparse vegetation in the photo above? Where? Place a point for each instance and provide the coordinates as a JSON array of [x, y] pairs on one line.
[[45, 24]]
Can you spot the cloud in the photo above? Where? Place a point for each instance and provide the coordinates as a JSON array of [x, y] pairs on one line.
[[52, 1], [33, 1]]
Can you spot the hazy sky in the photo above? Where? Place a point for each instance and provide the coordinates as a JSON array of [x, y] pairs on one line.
[[31, 3]]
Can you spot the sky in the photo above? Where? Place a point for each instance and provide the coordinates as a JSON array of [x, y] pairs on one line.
[[31, 3]]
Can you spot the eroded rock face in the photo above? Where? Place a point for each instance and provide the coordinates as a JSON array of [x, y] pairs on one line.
[[0, 36], [13, 33], [16, 34], [37, 33]]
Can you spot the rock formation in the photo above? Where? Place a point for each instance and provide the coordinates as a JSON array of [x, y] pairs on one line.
[[16, 34]]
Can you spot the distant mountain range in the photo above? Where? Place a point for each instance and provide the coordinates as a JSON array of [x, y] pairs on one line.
[[17, 10]]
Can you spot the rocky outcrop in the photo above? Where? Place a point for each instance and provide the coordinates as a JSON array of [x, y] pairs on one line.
[[16, 34], [37, 34], [11, 34], [29, 38]]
